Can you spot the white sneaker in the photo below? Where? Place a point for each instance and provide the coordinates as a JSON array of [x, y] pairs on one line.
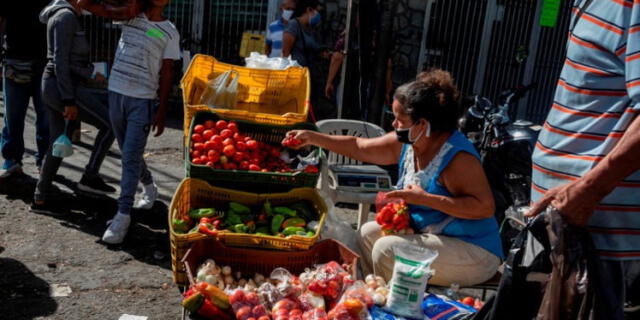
[[117, 230], [149, 196]]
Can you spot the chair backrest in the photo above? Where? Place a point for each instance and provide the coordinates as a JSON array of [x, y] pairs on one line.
[[348, 128]]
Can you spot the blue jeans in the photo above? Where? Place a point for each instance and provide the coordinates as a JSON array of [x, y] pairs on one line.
[[131, 120], [16, 102]]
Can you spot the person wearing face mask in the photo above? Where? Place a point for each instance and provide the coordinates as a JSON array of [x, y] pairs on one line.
[[298, 40], [273, 41], [441, 179]]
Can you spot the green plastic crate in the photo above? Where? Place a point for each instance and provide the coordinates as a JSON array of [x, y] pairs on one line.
[[251, 180]]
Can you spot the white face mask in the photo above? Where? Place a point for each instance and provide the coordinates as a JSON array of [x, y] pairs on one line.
[[287, 14]]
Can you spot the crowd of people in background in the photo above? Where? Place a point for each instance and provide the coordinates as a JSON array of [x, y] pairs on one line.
[[53, 67]]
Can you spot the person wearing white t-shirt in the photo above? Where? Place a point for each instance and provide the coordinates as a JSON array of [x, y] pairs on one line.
[[141, 71]]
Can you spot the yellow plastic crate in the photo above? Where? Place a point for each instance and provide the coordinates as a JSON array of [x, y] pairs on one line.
[[251, 42], [264, 96], [195, 193]]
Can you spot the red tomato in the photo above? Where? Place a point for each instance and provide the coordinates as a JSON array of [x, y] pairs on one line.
[[226, 133], [252, 145], [196, 154], [244, 312], [264, 318], [198, 128], [227, 142], [214, 156], [264, 170], [209, 124], [244, 165], [252, 298], [209, 145], [217, 166], [241, 146], [233, 126], [237, 296], [196, 161], [238, 156], [229, 150], [221, 125], [254, 167], [196, 137], [209, 164], [238, 137], [295, 313], [247, 139], [468, 301], [232, 166], [275, 153], [223, 159], [207, 134], [198, 146], [254, 161], [216, 138]]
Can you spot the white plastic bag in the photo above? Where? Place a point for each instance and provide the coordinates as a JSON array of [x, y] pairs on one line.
[[261, 61], [411, 272], [222, 92]]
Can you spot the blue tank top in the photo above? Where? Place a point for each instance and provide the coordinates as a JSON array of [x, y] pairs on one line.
[[483, 232]]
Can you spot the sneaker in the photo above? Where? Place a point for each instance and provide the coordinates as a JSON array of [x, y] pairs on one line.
[[9, 167], [47, 207], [149, 196], [95, 185], [117, 230]]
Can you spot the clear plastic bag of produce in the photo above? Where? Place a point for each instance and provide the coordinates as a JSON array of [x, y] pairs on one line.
[[354, 303], [246, 304], [411, 271], [222, 91], [439, 307]]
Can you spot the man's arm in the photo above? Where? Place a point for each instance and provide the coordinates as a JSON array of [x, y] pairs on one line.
[[578, 199], [166, 78], [336, 62]]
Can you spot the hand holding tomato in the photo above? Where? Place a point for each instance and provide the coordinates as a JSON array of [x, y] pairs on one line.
[[296, 139]]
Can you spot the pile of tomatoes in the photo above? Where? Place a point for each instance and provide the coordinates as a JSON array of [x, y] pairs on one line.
[[220, 145]]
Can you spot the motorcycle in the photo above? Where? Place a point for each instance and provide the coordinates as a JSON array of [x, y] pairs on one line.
[[505, 148]]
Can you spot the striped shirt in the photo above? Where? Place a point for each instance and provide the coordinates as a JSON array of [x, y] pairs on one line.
[[274, 37], [597, 98]]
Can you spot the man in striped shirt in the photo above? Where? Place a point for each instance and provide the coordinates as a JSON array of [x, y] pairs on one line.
[[273, 40], [587, 159]]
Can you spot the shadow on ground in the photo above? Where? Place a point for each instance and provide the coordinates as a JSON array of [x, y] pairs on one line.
[[22, 294], [147, 239]]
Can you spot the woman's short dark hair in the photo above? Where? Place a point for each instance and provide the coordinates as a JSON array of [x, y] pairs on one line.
[[432, 96], [302, 5]]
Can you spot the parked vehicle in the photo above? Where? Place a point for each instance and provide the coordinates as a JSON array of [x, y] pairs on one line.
[[505, 148]]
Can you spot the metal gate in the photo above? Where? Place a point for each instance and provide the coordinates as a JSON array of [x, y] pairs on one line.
[[493, 45]]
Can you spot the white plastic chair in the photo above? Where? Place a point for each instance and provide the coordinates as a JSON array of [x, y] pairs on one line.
[[328, 182]]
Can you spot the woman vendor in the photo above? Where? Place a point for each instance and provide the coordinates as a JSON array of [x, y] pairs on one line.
[[440, 178]]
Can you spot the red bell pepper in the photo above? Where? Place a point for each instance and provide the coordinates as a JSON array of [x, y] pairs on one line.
[[210, 311], [207, 229]]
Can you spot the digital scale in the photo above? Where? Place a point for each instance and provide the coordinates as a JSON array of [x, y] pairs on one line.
[[360, 178]]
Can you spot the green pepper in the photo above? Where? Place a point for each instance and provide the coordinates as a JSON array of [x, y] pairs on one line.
[[264, 230], [293, 222], [267, 208], [292, 230], [285, 211], [240, 228], [310, 234], [232, 219], [276, 223], [239, 208], [205, 213], [196, 228], [180, 226], [304, 210]]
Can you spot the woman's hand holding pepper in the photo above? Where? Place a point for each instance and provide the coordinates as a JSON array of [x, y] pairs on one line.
[[303, 136]]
